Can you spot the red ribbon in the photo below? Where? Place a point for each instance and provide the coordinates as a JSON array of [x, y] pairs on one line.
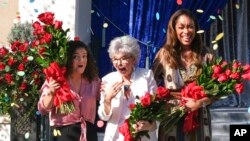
[[62, 94]]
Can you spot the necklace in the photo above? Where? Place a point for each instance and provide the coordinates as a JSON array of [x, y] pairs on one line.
[[75, 89]]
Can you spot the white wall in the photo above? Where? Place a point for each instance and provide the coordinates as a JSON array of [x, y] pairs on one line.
[[75, 14]]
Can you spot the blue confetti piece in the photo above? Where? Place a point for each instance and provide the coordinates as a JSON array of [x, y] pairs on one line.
[[125, 3], [148, 42], [38, 113], [154, 50], [98, 14], [248, 110], [157, 16], [36, 10], [208, 20], [164, 30], [31, 1]]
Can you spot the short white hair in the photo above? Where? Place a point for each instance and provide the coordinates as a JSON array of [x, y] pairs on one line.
[[125, 44]]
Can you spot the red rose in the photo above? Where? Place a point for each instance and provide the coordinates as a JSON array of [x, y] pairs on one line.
[[35, 43], [146, 100], [246, 67], [14, 46], [217, 69], [21, 67], [9, 78], [239, 88], [23, 47], [2, 66], [38, 28], [222, 78], [58, 24], [25, 59], [46, 18], [23, 86], [162, 92], [228, 72], [235, 75], [77, 38], [132, 106], [3, 51], [246, 75], [11, 61], [47, 37], [236, 65]]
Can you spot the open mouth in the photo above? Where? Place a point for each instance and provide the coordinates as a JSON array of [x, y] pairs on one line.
[[122, 70], [80, 66]]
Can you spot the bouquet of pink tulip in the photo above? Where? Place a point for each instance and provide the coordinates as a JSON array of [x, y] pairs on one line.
[[217, 80]]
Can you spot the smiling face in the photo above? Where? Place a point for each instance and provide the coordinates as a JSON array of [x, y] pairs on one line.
[[124, 64], [79, 60], [185, 30]]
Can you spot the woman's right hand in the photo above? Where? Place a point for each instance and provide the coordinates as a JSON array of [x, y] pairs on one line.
[[53, 86], [113, 90]]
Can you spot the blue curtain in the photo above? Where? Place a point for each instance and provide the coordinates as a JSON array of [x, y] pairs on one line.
[[116, 14], [146, 20]]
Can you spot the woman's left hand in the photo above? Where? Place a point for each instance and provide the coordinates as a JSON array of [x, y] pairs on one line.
[[192, 104], [143, 125]]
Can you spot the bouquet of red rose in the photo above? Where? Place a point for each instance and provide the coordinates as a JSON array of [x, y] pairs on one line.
[[151, 107], [50, 43], [217, 80]]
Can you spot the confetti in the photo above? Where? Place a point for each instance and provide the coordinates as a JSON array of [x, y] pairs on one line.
[[215, 46], [21, 99], [92, 11], [105, 25], [214, 41], [21, 73], [91, 30], [199, 11], [212, 17], [38, 113], [179, 2], [220, 17], [248, 110], [164, 30], [14, 104], [55, 132], [30, 58], [36, 10], [100, 123], [97, 14], [200, 31], [27, 135], [237, 6], [157, 16], [219, 36]]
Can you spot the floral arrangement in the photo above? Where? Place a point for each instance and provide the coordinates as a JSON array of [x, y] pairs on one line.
[[50, 44], [20, 75], [217, 80], [150, 107]]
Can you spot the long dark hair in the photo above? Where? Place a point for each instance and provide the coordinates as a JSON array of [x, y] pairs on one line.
[[91, 71], [170, 52]]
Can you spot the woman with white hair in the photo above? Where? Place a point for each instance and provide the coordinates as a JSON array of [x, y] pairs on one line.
[[120, 89]]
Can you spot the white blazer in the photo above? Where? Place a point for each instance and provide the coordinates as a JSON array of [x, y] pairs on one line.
[[142, 82]]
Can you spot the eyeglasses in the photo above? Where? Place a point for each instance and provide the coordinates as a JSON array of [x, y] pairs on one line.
[[122, 60]]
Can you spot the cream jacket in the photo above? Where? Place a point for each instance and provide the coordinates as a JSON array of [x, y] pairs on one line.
[[142, 82]]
